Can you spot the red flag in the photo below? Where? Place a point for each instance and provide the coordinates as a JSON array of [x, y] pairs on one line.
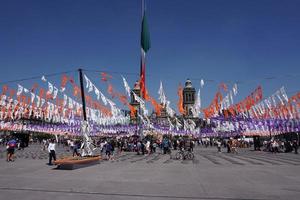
[[105, 77], [180, 102], [223, 86], [4, 89], [35, 86], [142, 78], [64, 80]]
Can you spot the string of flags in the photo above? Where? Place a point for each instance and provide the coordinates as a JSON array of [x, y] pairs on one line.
[[47, 102]]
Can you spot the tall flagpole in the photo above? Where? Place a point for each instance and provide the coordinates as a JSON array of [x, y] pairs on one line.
[[141, 90]]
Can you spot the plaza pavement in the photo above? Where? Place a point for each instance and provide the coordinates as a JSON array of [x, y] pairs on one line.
[[212, 175]]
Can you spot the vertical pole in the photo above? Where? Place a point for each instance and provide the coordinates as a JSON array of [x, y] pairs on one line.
[[140, 130], [82, 94], [140, 124]]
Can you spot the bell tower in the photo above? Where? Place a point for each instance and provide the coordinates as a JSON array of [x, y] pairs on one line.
[[188, 98], [134, 103]]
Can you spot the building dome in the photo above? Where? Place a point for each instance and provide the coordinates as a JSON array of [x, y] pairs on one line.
[[188, 83]]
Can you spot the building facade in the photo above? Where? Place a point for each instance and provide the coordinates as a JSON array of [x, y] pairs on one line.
[[136, 90], [188, 98]]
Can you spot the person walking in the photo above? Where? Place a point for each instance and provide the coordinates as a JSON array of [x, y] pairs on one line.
[[108, 150], [147, 146], [51, 150], [228, 146], [11, 145], [295, 146], [191, 145], [76, 146], [165, 146], [219, 146]]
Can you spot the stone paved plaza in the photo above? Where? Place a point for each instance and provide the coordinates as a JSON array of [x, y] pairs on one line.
[[212, 175]]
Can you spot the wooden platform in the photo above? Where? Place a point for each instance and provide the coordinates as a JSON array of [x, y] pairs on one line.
[[70, 163]]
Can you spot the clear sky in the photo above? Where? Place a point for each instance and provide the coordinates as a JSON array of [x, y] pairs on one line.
[[217, 40]]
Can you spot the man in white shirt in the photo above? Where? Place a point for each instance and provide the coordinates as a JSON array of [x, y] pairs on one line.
[[219, 145], [51, 150]]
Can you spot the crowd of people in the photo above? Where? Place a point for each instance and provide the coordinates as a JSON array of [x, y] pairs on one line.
[[109, 146], [279, 146]]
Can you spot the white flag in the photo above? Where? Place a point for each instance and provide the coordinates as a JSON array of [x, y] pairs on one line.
[[32, 97], [178, 124], [42, 102], [38, 101], [126, 86], [55, 92], [20, 89], [202, 83], [169, 110], [26, 90], [103, 98], [278, 94], [70, 103], [274, 100], [283, 93], [97, 93], [171, 125], [44, 79], [142, 103], [50, 88], [65, 100], [62, 89], [267, 103], [231, 97], [141, 117], [185, 125], [197, 106], [87, 81], [162, 96], [235, 89], [91, 87]]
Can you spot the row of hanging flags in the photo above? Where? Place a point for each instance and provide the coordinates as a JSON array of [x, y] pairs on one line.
[[47, 102]]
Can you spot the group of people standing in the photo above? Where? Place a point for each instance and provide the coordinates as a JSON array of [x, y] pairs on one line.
[[108, 148], [277, 146]]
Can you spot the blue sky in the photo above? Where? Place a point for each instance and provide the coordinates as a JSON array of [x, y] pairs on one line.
[[217, 40]]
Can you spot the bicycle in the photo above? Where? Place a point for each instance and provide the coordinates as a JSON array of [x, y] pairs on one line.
[[181, 154]]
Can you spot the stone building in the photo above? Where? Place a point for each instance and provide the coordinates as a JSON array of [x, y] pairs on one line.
[[188, 98], [137, 90]]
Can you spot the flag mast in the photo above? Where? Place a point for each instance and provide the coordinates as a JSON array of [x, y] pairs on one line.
[[142, 79]]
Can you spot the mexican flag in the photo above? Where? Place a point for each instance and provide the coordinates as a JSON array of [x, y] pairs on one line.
[[145, 46]]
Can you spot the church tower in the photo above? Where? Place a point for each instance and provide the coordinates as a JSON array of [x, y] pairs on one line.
[[134, 103], [188, 98]]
